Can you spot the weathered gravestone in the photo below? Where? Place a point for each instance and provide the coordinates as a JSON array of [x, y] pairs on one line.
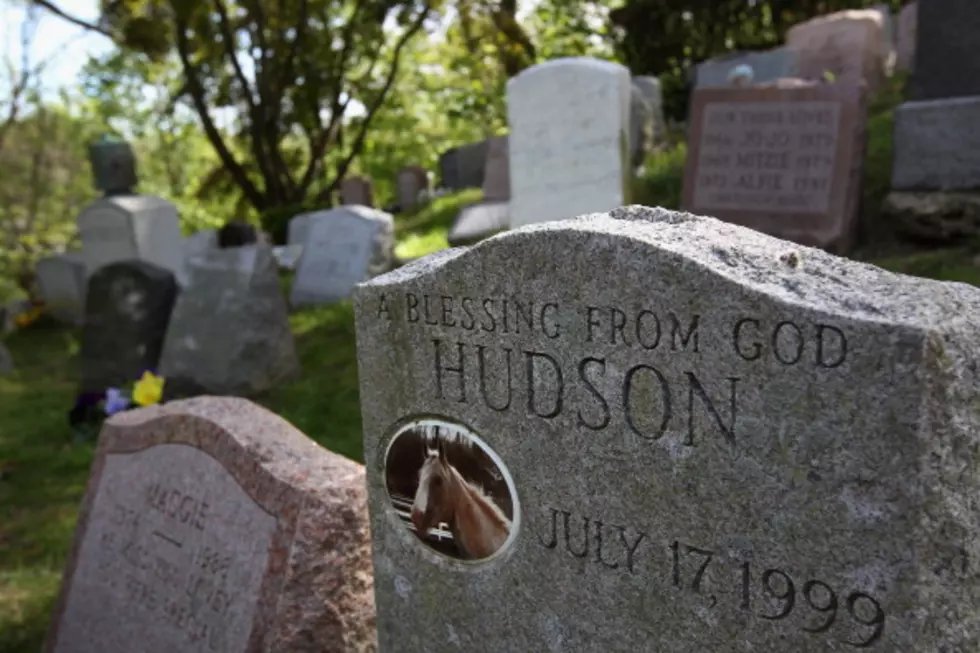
[[113, 166], [127, 310], [211, 524], [784, 159], [905, 38], [705, 440], [850, 44], [937, 145], [654, 97], [946, 61], [496, 170], [199, 243], [343, 246], [126, 227], [569, 139], [229, 332], [357, 190], [449, 169], [409, 183], [62, 280], [767, 66], [641, 127]]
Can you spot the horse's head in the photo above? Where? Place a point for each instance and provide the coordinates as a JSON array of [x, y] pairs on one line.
[[432, 504]]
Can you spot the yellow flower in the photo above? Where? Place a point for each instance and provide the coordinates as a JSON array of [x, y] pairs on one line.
[[148, 390], [28, 318]]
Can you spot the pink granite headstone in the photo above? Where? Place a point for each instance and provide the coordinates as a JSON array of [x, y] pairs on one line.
[[785, 159], [211, 524], [849, 44]]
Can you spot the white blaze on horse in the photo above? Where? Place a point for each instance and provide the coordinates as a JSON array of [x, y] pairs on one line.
[[478, 525]]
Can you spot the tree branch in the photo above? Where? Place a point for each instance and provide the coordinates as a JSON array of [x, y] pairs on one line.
[[378, 101], [196, 91], [72, 19]]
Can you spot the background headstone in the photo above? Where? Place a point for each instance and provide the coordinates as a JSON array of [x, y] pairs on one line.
[[569, 139], [126, 227], [199, 243], [229, 332], [850, 44], [937, 145], [651, 91], [62, 281], [713, 436], [479, 221], [127, 310], [299, 227], [236, 233], [888, 36], [113, 166], [211, 524], [449, 169], [946, 61], [344, 246], [641, 127], [496, 175], [357, 190], [409, 183], [767, 66], [786, 160], [907, 19]]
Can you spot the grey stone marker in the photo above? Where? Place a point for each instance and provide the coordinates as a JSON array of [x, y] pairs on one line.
[[230, 327], [62, 281], [211, 524], [767, 66], [937, 145], [946, 61], [695, 437], [652, 92], [641, 126], [127, 310], [343, 246]]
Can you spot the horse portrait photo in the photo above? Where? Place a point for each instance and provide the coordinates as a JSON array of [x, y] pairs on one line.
[[446, 488]]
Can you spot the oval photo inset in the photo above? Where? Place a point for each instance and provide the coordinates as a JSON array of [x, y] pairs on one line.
[[450, 489]]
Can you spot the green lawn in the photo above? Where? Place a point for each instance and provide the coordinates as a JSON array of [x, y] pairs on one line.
[[43, 473]]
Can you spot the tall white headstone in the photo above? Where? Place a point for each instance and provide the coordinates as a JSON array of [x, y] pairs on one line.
[[569, 152], [126, 227], [343, 246]]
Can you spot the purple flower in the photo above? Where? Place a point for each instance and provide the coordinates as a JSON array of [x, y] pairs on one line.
[[115, 401]]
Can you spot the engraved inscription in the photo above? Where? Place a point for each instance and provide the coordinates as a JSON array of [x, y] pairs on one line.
[[173, 556], [770, 594], [767, 156]]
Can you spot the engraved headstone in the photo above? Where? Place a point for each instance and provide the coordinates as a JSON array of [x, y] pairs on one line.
[[905, 38], [937, 145], [357, 190], [569, 139], [409, 183], [127, 310], [229, 332], [687, 435], [783, 159], [767, 66], [496, 172], [126, 227], [62, 281], [344, 246], [211, 524], [849, 44], [946, 61], [654, 97]]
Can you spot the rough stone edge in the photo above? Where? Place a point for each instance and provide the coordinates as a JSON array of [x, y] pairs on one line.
[[782, 270], [236, 420]]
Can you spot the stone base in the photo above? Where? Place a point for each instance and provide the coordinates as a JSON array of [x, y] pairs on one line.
[[934, 216], [937, 145]]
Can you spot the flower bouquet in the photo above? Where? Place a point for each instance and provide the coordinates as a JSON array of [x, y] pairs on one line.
[[91, 408]]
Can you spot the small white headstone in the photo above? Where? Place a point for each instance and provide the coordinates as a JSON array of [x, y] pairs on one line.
[[126, 227], [569, 125], [344, 246], [62, 281]]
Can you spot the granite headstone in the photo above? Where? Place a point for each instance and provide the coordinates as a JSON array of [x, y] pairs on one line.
[[654, 96], [690, 436], [211, 524], [946, 61], [937, 145], [569, 139], [785, 159], [229, 332], [343, 246], [62, 280], [128, 306], [478, 221], [496, 170], [849, 44]]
